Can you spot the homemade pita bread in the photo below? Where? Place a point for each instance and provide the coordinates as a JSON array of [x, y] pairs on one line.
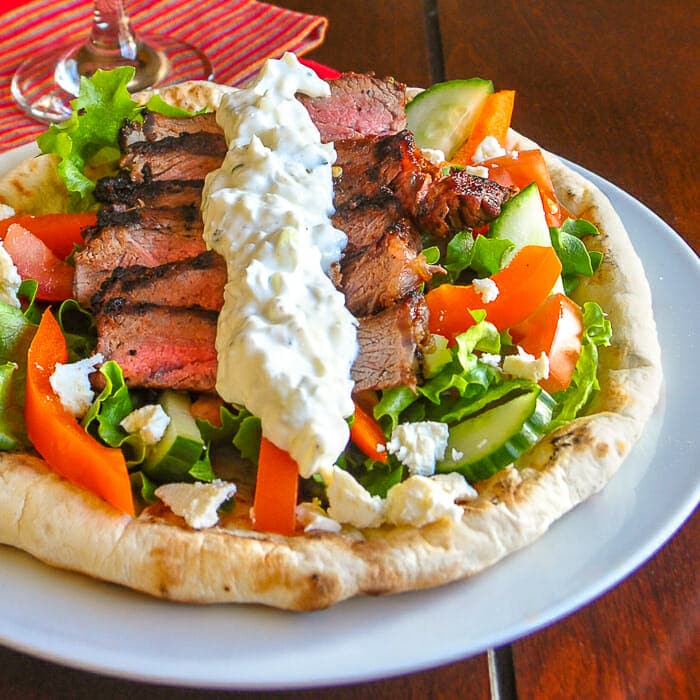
[[157, 553]]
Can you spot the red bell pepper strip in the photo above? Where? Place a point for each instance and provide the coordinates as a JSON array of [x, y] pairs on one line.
[[276, 486], [523, 285], [34, 260], [60, 232], [555, 328], [367, 434], [58, 437]]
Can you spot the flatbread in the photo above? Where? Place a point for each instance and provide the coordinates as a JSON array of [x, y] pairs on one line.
[[157, 553]]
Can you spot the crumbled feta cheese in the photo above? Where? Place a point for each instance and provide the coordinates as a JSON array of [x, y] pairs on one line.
[[349, 502], [6, 211], [477, 170], [149, 421], [456, 455], [490, 359], [422, 500], [433, 155], [487, 289], [71, 382], [419, 445], [313, 517], [488, 148], [9, 279], [527, 366], [197, 503]]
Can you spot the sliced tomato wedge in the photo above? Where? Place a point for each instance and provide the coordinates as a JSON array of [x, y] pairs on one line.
[[522, 168], [34, 260], [60, 232], [523, 285], [555, 328]]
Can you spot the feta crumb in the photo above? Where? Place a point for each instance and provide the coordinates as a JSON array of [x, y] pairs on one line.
[[490, 359], [488, 148], [477, 170], [350, 502], [71, 382], [456, 454], [433, 155], [380, 447], [422, 500], [419, 445], [9, 278], [527, 366], [313, 517], [6, 211], [197, 503], [149, 422], [487, 289]]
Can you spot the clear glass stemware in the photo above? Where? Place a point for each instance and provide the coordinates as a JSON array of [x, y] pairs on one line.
[[44, 84]]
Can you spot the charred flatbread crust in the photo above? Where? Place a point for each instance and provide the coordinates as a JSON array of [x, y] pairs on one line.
[[66, 527]]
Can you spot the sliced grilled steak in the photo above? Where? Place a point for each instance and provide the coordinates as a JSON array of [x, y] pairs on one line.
[[121, 193], [188, 157], [389, 345], [392, 165], [358, 105], [368, 169], [159, 347], [147, 237], [367, 222], [157, 126], [384, 272], [200, 280], [458, 201]]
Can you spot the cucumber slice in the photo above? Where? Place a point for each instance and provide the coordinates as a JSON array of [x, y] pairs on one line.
[[479, 447], [443, 116], [522, 220], [180, 447]]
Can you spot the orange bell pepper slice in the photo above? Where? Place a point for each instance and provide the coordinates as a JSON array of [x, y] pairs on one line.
[[523, 285], [58, 437], [555, 328], [493, 120], [276, 487], [367, 434]]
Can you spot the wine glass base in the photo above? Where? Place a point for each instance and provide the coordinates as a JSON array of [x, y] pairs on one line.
[[45, 83]]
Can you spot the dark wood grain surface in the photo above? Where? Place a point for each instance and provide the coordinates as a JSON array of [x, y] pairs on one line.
[[615, 87]]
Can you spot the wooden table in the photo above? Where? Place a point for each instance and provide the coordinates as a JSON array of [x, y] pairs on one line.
[[615, 87]]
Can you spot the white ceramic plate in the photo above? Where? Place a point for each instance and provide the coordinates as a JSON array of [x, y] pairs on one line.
[[99, 627]]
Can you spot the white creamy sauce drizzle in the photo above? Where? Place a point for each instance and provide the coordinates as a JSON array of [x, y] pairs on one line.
[[285, 341]]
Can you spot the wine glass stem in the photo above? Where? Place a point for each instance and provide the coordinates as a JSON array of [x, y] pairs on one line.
[[111, 33]]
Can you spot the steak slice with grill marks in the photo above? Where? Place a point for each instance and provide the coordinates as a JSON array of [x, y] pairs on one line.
[[156, 126], [365, 223], [359, 104], [159, 347], [121, 193], [389, 345], [392, 165], [147, 237], [187, 157], [386, 271], [200, 279]]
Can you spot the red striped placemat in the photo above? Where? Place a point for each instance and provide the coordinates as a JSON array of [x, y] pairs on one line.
[[236, 35]]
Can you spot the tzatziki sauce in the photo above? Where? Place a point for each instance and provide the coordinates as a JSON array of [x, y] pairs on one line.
[[285, 341]]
